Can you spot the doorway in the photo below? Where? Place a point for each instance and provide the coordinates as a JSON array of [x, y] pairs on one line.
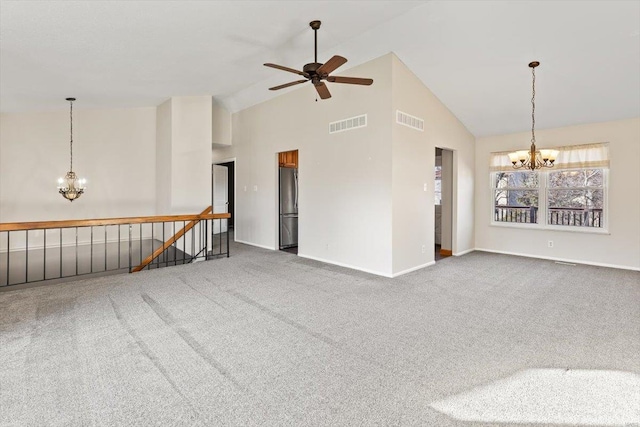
[[443, 203], [288, 201], [223, 193], [230, 189]]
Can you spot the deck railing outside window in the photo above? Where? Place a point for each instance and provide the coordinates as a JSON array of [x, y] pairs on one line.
[[555, 216]]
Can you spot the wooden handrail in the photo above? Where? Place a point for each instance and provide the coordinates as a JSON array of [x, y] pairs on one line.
[[174, 239], [40, 225]]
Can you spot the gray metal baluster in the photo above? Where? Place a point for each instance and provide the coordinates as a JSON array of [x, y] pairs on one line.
[[164, 239], [193, 241], [130, 225], [119, 225], [60, 238], [26, 264], [76, 251], [44, 257], [153, 241], [8, 250], [105, 248], [91, 249]]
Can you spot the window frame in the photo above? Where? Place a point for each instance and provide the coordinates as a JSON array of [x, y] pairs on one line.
[[543, 204], [494, 189]]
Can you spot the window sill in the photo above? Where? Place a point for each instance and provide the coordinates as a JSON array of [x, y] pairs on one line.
[[570, 229]]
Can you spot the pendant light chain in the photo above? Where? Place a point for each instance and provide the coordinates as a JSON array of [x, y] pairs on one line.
[[533, 106], [533, 158], [71, 133], [71, 187]]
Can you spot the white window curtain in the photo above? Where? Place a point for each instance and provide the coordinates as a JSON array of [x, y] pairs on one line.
[[583, 156], [569, 157], [499, 162]]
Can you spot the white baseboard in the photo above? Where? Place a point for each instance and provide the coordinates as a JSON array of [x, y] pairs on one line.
[[271, 248], [464, 252], [340, 264], [409, 270], [573, 261]]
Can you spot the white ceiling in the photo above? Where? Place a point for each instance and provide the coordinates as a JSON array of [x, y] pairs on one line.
[[472, 54]]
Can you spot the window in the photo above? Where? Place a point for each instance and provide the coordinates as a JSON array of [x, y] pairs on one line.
[[516, 196], [576, 197], [571, 195], [438, 187]]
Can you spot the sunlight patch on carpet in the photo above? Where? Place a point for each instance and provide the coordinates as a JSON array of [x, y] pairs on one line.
[[555, 396]]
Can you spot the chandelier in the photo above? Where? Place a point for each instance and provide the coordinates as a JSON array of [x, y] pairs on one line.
[[533, 159], [71, 187]]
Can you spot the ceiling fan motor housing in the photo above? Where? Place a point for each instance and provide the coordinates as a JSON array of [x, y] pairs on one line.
[[311, 69]]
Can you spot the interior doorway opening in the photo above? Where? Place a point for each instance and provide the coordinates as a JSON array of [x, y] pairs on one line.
[[223, 194], [443, 203], [288, 201]]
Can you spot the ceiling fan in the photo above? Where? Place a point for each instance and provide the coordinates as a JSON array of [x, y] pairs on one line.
[[316, 72]]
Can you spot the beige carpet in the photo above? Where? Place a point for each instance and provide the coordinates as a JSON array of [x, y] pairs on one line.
[[268, 338]]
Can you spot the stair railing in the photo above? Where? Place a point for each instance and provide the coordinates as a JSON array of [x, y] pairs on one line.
[[59, 250]]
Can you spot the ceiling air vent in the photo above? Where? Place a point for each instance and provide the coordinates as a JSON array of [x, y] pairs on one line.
[[348, 124], [409, 121]]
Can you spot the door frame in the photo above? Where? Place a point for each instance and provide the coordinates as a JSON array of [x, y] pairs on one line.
[[235, 192], [453, 195]]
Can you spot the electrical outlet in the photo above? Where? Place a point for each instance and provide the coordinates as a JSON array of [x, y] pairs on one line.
[[424, 249], [550, 243], [245, 188], [255, 188], [424, 187]]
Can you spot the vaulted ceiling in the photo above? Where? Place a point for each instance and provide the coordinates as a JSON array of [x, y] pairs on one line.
[[472, 54]]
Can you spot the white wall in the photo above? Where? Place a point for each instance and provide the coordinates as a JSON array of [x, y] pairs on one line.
[[621, 247], [191, 130], [221, 125], [183, 144], [344, 178], [362, 198], [163, 155], [114, 149], [413, 166]]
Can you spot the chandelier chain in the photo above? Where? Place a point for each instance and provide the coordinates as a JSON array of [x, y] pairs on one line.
[[71, 135], [533, 106]]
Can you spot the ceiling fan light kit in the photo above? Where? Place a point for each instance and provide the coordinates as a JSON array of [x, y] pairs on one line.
[[316, 72]]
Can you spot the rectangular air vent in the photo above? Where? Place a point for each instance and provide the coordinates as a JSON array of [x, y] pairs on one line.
[[348, 124], [409, 121]]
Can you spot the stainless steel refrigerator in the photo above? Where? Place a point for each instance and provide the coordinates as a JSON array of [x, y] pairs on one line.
[[288, 207]]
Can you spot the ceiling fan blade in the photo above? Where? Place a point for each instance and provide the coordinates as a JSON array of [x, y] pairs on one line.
[[350, 80], [280, 67], [297, 82], [323, 90], [331, 65]]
